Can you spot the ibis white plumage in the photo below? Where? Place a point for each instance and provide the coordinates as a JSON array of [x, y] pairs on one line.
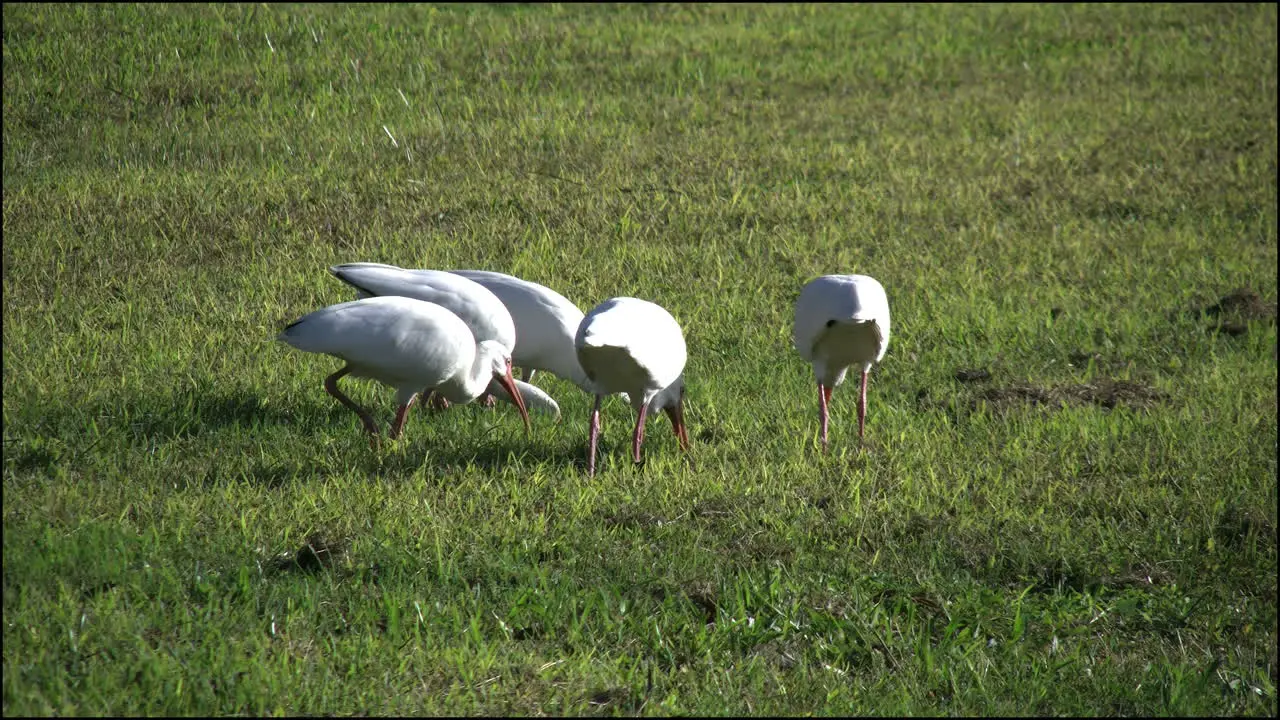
[[405, 343], [634, 346], [546, 324], [842, 321], [474, 304]]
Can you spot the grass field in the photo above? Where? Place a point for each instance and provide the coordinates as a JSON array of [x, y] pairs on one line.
[[1066, 499]]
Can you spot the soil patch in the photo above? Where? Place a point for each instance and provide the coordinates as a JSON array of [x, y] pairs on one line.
[[318, 552], [1105, 392], [1110, 393], [1232, 312], [1245, 304], [973, 375]]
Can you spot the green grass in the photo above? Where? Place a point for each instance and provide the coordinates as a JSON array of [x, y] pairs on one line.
[[1053, 194]]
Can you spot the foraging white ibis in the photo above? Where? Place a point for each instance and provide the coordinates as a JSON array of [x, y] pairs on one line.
[[841, 321], [633, 346], [475, 305], [546, 324], [405, 343]]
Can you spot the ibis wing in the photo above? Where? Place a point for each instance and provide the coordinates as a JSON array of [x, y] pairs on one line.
[[546, 323], [537, 306], [400, 338], [479, 308]]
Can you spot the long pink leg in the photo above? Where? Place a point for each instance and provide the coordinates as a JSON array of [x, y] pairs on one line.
[[638, 437], [593, 436], [862, 405], [824, 401], [331, 387], [401, 414]]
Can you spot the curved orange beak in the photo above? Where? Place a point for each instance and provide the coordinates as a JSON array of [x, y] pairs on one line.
[[509, 383], [676, 413]]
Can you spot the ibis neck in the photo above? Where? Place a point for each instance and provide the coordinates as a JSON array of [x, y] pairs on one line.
[[667, 397], [467, 386]]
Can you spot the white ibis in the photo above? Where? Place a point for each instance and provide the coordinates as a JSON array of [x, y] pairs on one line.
[[841, 321], [476, 306], [633, 346], [546, 323], [407, 344]]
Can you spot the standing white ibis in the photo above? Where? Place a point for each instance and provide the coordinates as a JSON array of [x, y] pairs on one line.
[[841, 321], [633, 346], [405, 343], [475, 305]]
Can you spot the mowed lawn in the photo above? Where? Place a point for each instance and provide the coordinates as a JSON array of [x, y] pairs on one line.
[[1065, 502]]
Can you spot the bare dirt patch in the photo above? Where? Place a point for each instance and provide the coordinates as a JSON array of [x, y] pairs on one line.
[[1232, 312], [973, 375], [1110, 393], [1106, 392], [319, 551], [1244, 302]]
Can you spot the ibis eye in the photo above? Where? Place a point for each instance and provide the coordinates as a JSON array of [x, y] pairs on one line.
[[831, 322]]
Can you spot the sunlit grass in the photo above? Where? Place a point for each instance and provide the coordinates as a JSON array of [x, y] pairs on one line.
[[1055, 195]]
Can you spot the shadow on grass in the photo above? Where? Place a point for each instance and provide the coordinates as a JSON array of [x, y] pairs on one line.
[[440, 461], [179, 415], [1105, 392], [66, 433]]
